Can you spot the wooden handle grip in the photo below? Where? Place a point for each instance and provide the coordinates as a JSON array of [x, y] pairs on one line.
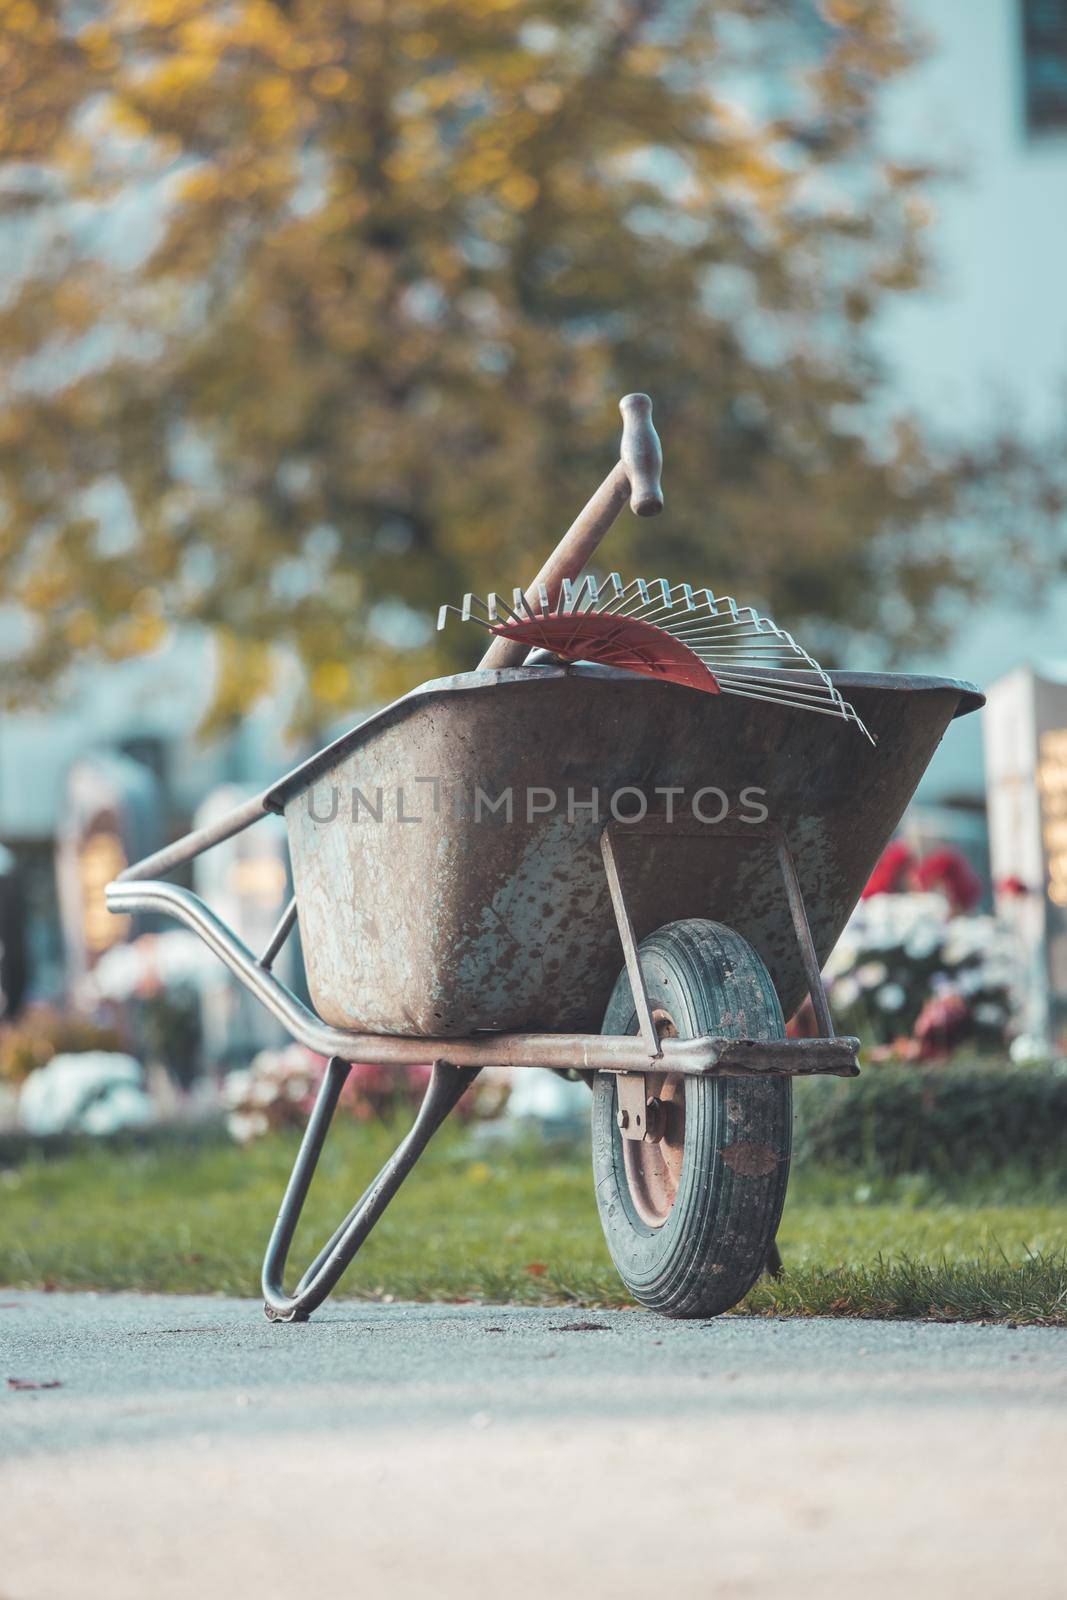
[[641, 455], [635, 476]]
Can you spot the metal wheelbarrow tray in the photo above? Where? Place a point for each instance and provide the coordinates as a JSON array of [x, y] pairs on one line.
[[439, 925], [446, 853]]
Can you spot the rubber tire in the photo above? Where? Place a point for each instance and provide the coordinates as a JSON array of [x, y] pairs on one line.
[[716, 1238]]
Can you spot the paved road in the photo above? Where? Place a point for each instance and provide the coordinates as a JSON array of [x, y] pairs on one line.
[[192, 1449]]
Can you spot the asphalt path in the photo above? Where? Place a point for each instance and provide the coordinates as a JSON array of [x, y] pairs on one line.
[[173, 1446]]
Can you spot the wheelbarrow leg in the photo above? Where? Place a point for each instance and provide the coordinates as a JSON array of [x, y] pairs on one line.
[[446, 1086]]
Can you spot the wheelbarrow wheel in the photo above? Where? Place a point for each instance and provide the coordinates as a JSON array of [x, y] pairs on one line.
[[690, 1219]]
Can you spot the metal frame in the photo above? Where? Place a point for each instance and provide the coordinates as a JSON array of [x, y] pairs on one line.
[[446, 1086], [457, 1062]]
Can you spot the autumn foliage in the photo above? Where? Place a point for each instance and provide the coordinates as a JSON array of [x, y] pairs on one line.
[[318, 311]]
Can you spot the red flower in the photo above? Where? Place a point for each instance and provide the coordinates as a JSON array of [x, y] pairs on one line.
[[949, 871], [890, 876]]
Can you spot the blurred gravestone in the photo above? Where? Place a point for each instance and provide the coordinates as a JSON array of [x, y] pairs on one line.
[[245, 880], [111, 815], [1026, 781]]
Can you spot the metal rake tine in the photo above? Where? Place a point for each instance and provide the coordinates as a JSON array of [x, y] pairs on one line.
[[714, 602], [502, 603], [473, 603], [649, 603], [661, 603], [624, 595], [573, 595], [542, 600], [678, 596], [832, 705], [734, 617], [613, 582], [784, 695], [765, 679], [464, 613]]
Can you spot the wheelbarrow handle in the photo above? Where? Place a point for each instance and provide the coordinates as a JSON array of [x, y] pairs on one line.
[[641, 455], [634, 478]]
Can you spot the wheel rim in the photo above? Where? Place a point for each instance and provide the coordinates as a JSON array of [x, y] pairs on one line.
[[654, 1170]]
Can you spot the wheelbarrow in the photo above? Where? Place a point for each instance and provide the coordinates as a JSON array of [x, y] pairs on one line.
[[578, 868]]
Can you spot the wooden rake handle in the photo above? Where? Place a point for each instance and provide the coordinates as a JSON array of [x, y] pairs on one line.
[[635, 477]]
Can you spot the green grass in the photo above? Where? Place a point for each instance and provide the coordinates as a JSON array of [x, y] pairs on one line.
[[499, 1223]]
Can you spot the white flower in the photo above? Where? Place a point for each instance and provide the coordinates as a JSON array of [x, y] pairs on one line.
[[891, 997], [235, 1087], [843, 958], [182, 958], [1029, 1049], [923, 941], [968, 937], [119, 972], [244, 1126], [262, 1091], [846, 992]]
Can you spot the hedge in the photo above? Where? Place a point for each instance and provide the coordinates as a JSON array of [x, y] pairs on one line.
[[944, 1120]]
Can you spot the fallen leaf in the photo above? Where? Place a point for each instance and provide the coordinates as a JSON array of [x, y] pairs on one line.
[[536, 1269]]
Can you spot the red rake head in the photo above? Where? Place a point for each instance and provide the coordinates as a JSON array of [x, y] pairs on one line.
[[614, 641], [672, 632]]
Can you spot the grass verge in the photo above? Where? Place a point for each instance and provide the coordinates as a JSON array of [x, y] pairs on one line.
[[499, 1223]]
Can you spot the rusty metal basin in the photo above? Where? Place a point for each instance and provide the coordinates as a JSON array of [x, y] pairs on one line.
[[424, 910]]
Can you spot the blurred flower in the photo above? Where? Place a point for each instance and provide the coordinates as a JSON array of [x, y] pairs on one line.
[[42, 1032], [847, 993], [891, 997], [916, 981], [842, 958], [140, 969], [924, 941], [278, 1090], [892, 872], [1029, 1050], [941, 1024], [969, 937], [951, 872]]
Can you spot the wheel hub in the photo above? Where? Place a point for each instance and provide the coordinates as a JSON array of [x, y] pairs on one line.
[[652, 1158]]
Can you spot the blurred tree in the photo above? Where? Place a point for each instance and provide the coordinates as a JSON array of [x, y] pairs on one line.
[[319, 309]]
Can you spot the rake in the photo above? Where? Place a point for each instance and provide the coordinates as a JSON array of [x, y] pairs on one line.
[[673, 632]]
